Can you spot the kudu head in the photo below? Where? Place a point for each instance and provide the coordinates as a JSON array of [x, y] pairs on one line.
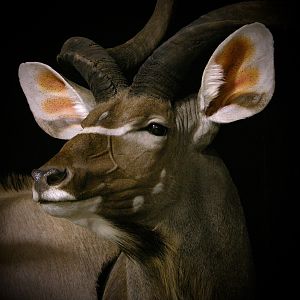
[[134, 148]]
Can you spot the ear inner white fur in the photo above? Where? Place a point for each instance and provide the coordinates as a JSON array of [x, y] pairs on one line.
[[58, 105], [238, 80]]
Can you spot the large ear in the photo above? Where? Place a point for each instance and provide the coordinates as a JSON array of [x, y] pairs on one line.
[[58, 105], [238, 80]]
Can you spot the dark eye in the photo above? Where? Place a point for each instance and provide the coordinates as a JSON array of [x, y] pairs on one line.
[[157, 129]]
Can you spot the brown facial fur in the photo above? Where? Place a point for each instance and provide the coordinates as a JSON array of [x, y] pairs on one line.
[[48, 82], [237, 79], [123, 110], [115, 167]]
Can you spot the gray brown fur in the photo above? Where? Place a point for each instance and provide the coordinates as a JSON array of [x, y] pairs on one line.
[[170, 206], [42, 257]]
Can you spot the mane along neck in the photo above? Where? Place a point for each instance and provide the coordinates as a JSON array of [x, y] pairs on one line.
[[15, 183]]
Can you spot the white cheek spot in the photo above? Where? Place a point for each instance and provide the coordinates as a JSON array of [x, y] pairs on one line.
[[138, 201], [35, 195], [158, 188], [54, 194]]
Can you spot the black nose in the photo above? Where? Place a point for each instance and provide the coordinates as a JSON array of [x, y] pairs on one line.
[[50, 177], [37, 175]]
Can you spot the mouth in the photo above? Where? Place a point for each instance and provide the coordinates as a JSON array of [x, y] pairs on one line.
[[41, 201], [70, 208]]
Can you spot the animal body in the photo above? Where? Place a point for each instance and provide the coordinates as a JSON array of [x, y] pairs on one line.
[[44, 257], [137, 170]]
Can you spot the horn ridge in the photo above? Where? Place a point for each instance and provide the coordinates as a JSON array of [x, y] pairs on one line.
[[164, 73], [133, 52], [96, 66]]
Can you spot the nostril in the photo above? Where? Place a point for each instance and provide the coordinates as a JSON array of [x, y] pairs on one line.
[[37, 174], [55, 176]]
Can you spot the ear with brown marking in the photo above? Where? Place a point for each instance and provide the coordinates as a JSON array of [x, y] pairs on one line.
[[238, 80], [58, 105]]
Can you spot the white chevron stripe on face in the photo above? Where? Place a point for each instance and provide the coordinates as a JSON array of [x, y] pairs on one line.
[[107, 131]]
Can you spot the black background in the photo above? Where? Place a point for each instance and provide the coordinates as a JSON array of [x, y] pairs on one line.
[[258, 151]]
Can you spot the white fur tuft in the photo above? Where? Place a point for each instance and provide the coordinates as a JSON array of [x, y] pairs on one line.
[[213, 79], [246, 97], [54, 194], [81, 109], [158, 188], [100, 226], [138, 202]]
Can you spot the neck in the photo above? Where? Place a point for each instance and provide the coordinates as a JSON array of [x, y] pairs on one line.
[[202, 230]]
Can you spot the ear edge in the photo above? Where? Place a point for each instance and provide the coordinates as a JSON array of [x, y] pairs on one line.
[[28, 67], [36, 97], [227, 114], [257, 34]]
